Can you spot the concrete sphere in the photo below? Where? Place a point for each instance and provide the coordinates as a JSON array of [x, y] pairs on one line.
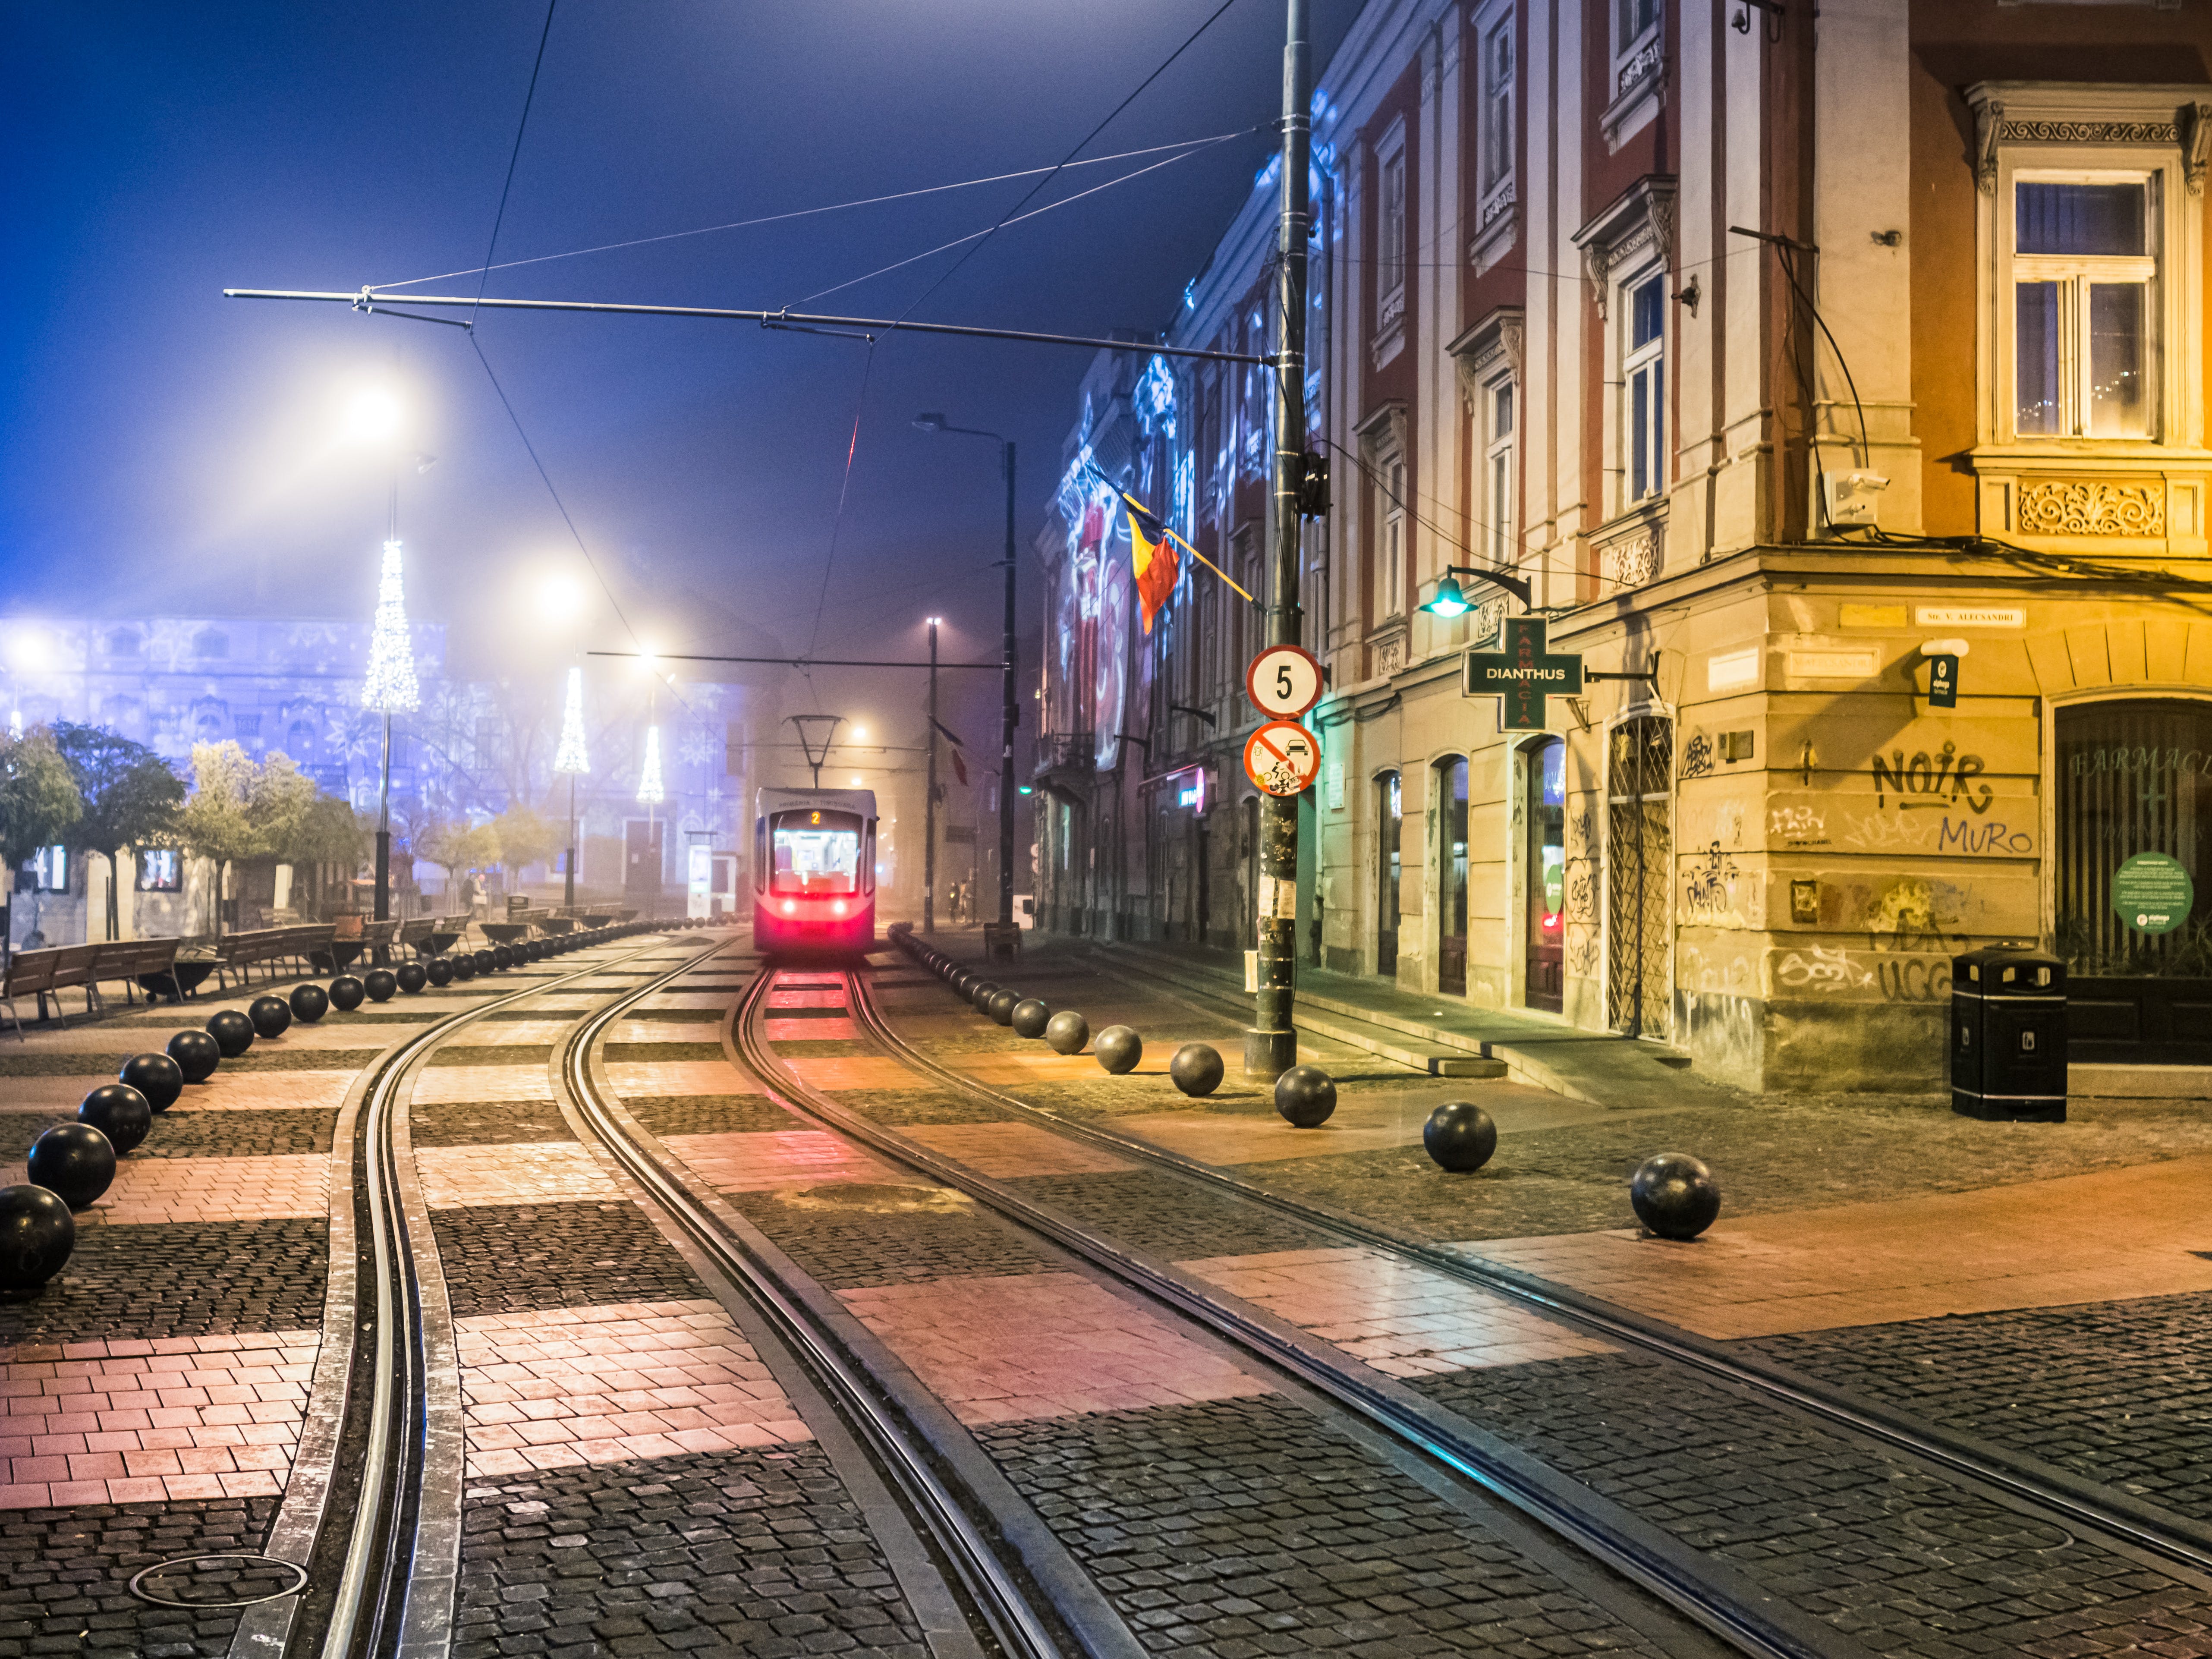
[[120, 1112], [1066, 1032], [271, 1017], [411, 975], [1459, 1136], [485, 962], [37, 1234], [1305, 1097], [1675, 1195], [980, 996], [157, 1077], [502, 957], [232, 1032], [439, 970], [999, 1005], [1119, 1048], [196, 1055], [309, 1003], [1196, 1068], [346, 993], [379, 983], [1028, 1017], [464, 966], [74, 1161]]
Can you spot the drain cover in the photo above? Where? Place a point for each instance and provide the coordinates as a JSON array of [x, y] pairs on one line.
[[217, 1581]]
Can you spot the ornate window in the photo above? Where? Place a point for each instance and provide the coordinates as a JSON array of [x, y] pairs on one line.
[[1639, 68], [1489, 359], [1390, 233], [1496, 95], [1628, 251], [1390, 541]]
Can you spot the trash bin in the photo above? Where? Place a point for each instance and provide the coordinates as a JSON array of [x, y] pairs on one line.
[[2008, 1036]]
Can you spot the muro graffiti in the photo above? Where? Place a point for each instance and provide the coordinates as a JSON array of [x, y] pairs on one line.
[[1944, 778]]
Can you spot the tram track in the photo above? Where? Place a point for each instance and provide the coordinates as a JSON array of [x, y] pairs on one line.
[[2115, 1514], [1725, 1602], [356, 1521]]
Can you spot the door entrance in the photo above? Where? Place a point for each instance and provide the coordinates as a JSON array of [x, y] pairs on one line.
[[1639, 877], [641, 862], [2132, 780], [1544, 870], [1390, 814], [1451, 779]]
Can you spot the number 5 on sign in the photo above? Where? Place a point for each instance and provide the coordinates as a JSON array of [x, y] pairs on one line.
[[1282, 757], [1283, 681]]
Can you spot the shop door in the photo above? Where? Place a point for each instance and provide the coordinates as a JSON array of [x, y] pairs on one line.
[[2132, 791], [1639, 877], [641, 864], [1390, 815], [1451, 875], [1544, 790]]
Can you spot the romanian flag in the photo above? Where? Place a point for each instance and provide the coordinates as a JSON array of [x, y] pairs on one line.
[[1153, 555]]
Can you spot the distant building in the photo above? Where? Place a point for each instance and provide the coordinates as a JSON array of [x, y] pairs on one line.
[[1782, 369]]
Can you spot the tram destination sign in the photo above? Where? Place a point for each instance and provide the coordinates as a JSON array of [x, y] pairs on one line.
[[1521, 675]]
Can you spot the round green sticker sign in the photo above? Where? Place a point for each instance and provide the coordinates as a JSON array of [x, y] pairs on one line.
[[2152, 893]]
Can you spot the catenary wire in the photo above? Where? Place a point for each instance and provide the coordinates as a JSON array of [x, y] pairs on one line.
[[514, 156]]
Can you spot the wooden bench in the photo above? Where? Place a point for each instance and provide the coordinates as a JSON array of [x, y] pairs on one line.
[[307, 943], [136, 962], [446, 931]]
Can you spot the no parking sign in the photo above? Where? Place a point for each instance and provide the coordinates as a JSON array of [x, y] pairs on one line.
[[1282, 757]]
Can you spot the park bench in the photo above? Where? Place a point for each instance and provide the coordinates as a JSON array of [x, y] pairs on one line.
[[308, 943], [151, 962]]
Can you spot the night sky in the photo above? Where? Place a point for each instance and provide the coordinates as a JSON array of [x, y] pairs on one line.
[[169, 451]]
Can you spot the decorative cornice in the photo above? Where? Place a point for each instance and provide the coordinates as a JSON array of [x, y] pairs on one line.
[[1497, 339], [2072, 506], [1641, 217]]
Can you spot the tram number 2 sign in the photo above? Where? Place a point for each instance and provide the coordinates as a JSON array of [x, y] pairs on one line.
[[1282, 757], [1284, 681]]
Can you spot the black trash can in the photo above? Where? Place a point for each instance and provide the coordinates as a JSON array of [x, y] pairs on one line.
[[2008, 1036]]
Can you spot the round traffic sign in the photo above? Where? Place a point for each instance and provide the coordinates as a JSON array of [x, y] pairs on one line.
[[1284, 681], [1282, 757]]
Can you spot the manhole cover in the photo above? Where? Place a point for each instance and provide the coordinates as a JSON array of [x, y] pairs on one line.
[[217, 1581]]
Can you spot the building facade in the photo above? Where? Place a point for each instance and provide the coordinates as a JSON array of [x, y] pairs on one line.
[[1789, 362]]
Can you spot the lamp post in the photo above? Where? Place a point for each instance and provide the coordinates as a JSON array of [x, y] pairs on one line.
[[570, 758], [1009, 709], [929, 800], [650, 793]]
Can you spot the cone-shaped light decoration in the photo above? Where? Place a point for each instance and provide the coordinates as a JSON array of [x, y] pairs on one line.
[[648, 782], [569, 757], [391, 685]]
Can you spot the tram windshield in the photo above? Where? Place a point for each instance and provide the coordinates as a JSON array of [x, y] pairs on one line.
[[817, 852]]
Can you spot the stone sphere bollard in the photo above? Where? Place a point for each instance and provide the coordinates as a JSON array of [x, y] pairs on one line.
[[1066, 1032], [411, 975], [486, 961], [379, 983], [196, 1055], [157, 1077], [309, 1003], [1119, 1048], [1459, 1136], [73, 1161], [120, 1112], [1000, 1004], [232, 1032], [465, 967], [346, 993], [271, 1016], [1029, 1017], [1675, 1195], [1196, 1068], [439, 970], [37, 1234], [1305, 1097], [980, 994]]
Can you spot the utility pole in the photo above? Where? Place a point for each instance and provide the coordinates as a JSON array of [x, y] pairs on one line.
[[1008, 715], [1270, 1046], [929, 805]]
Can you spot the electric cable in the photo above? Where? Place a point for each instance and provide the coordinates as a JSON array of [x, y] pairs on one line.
[[515, 155]]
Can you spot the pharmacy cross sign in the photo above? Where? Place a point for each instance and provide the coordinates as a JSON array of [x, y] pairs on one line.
[[1522, 676]]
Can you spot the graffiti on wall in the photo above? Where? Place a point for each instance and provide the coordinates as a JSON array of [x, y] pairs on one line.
[[1945, 780]]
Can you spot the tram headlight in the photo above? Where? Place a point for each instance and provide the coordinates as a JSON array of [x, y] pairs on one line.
[[790, 907]]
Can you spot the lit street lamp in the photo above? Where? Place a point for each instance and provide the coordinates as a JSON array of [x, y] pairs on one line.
[[935, 423]]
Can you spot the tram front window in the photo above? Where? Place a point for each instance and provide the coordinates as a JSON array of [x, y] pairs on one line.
[[817, 853]]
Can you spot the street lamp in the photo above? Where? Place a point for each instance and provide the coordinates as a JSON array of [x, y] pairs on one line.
[[929, 798], [934, 421], [1449, 600]]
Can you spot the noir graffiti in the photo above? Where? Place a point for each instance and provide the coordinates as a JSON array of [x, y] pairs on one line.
[[1931, 776]]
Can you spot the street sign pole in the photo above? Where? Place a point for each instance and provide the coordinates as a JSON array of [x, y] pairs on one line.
[[1271, 1045]]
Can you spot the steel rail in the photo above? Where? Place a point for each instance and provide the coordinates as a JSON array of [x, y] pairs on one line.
[[2083, 1503], [367, 1611], [1741, 1614], [1005, 1609]]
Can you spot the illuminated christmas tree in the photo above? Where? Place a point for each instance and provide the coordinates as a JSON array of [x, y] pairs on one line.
[[391, 685], [569, 757]]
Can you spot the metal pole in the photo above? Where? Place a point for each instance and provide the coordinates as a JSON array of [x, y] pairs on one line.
[[1008, 715], [383, 830], [929, 806], [568, 887], [1270, 1046]]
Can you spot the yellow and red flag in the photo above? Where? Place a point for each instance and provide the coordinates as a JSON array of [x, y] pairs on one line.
[[1154, 559]]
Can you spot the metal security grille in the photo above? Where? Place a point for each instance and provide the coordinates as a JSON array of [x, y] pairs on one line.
[[2132, 777], [1639, 876]]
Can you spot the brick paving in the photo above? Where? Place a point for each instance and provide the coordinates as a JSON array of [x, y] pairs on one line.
[[513, 1258], [760, 1554], [790, 1157], [1905, 1561], [65, 1573], [679, 1077], [209, 1188], [449, 1085], [509, 1173], [665, 1026], [130, 1422], [853, 1233], [1243, 1527]]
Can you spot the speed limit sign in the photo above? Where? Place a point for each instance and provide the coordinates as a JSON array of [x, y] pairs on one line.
[[1283, 681]]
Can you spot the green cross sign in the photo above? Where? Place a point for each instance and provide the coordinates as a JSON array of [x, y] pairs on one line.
[[1522, 676]]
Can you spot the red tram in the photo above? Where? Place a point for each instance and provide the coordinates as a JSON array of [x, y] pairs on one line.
[[814, 871]]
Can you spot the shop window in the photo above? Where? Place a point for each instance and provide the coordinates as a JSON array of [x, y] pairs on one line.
[[161, 870], [1544, 786]]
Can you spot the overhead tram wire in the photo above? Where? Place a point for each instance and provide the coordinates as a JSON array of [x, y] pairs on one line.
[[515, 154]]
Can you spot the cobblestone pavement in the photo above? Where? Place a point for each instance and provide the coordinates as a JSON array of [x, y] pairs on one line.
[[2120, 1392], [507, 1258], [267, 1133], [64, 1577], [849, 1234], [180, 1280], [759, 1553], [467, 1123], [1902, 1560], [1167, 1215], [709, 1114], [1246, 1527]]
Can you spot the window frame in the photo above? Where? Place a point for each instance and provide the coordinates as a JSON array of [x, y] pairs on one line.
[[1632, 361], [1500, 443], [2075, 274], [1391, 254], [1391, 546]]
